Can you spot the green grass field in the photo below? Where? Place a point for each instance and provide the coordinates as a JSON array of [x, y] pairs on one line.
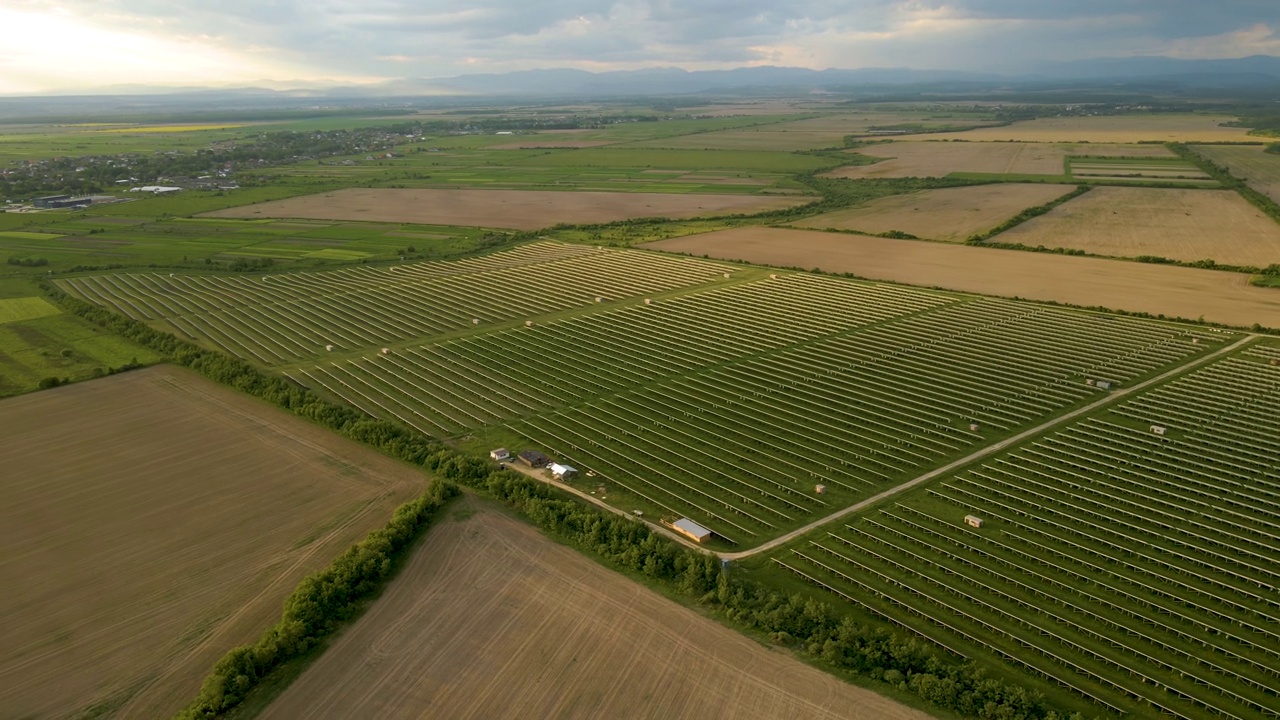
[[68, 241], [25, 308], [39, 341]]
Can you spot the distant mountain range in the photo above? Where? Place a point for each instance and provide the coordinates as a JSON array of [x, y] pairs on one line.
[[1258, 70], [1257, 77]]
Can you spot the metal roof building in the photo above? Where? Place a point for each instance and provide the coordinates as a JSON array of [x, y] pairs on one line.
[[691, 529]]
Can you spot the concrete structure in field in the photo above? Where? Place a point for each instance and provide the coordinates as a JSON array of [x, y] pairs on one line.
[[691, 530], [55, 202], [973, 521], [562, 472], [1159, 429], [533, 458], [501, 454]]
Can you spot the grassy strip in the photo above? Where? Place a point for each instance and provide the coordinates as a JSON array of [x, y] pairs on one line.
[[319, 605], [1224, 176], [1025, 215]]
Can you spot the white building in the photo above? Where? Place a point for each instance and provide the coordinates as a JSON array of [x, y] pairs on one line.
[[562, 472]]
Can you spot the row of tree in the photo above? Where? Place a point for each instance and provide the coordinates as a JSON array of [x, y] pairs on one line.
[[1025, 215], [320, 603], [1223, 175], [811, 627]]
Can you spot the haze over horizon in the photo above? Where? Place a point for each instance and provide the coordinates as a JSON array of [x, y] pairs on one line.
[[80, 45]]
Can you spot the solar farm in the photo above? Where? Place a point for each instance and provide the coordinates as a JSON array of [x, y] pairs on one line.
[[682, 387], [1130, 556], [1127, 553]]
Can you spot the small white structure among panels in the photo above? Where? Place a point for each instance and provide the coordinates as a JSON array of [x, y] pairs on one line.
[[691, 530]]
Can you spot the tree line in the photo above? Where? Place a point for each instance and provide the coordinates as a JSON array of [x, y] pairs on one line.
[[813, 628], [319, 605], [1223, 175]]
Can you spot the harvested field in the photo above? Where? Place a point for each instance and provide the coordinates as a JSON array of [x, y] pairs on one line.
[[1185, 225], [1158, 289], [153, 520], [491, 620], [937, 159], [951, 214], [1258, 167], [515, 209], [1107, 129]]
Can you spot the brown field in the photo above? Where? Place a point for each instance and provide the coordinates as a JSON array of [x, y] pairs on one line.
[[1186, 225], [937, 159], [951, 214], [151, 521], [1107, 129], [1158, 289], [489, 619], [1259, 168], [515, 209]]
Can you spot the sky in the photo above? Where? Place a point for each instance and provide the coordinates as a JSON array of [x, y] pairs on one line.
[[53, 46]]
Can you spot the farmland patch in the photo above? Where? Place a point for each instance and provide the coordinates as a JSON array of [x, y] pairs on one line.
[[153, 520], [25, 308], [1185, 225], [490, 619], [939, 159], [951, 214], [1172, 291], [1257, 167], [1136, 128], [517, 209]]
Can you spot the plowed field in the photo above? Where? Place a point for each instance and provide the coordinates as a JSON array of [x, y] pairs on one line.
[[516, 209], [491, 620], [151, 521]]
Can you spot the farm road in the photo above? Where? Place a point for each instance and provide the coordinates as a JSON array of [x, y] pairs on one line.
[[976, 455], [988, 450]]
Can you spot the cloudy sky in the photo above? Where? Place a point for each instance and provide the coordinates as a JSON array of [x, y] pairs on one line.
[[87, 44]]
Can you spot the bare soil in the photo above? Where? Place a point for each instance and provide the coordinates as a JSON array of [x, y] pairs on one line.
[[951, 214], [1158, 289], [153, 520], [938, 159], [489, 619], [515, 209], [1185, 225]]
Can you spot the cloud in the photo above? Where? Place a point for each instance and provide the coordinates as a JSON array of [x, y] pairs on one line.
[[190, 39]]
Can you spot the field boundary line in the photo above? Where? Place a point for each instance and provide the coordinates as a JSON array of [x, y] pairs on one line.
[[985, 451]]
